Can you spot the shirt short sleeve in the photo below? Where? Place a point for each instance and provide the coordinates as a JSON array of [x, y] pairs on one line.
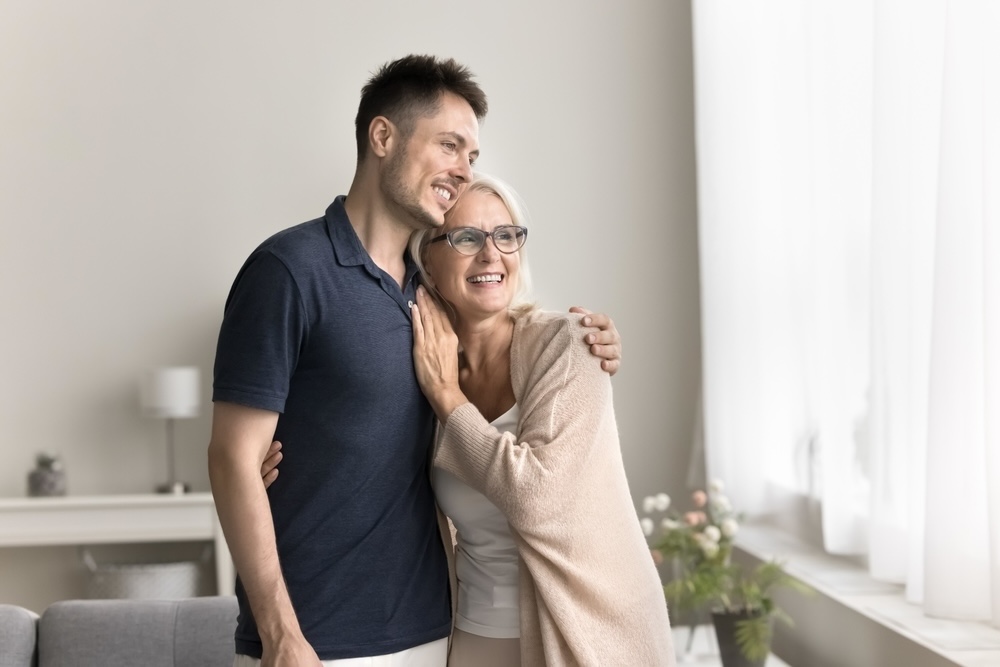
[[261, 335]]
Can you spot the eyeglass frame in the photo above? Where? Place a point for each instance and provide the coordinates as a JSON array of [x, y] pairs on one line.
[[486, 235]]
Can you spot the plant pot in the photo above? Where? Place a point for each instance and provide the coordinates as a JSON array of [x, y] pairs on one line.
[[728, 623]]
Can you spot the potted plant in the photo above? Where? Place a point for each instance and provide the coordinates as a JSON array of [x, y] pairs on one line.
[[699, 544]]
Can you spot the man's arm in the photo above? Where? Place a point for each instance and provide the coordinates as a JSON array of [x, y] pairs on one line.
[[605, 343], [241, 437]]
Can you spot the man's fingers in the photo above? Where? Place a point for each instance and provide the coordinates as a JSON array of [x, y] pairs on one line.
[[607, 352], [602, 338], [599, 320]]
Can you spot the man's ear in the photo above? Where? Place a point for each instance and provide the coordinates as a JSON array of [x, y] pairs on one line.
[[382, 134]]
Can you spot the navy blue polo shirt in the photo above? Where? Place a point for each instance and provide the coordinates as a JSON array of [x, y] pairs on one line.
[[315, 331]]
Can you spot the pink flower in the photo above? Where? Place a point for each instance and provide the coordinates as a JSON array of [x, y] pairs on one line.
[[694, 518], [700, 498]]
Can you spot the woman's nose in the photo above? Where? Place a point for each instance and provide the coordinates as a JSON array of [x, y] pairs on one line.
[[489, 250]]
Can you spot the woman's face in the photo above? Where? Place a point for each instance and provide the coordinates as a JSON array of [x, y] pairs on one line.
[[479, 285]]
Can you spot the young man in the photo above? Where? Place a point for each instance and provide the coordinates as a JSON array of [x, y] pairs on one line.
[[315, 351]]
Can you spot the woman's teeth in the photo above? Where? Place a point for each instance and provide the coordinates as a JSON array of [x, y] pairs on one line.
[[488, 278]]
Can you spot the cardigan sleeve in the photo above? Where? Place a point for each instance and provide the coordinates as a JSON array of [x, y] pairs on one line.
[[565, 410]]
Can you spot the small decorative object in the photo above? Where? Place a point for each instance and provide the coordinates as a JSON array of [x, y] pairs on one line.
[[48, 478], [699, 543], [171, 393]]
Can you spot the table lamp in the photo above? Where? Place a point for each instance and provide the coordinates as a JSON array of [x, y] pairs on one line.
[[171, 393]]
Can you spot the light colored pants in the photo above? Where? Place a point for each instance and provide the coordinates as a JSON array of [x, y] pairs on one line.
[[434, 654], [469, 650]]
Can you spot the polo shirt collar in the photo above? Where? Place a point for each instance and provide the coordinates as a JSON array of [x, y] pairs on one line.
[[347, 247]]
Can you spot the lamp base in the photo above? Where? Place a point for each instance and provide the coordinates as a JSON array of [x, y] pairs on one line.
[[176, 488]]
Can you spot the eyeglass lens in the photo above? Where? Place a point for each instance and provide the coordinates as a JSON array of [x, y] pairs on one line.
[[469, 240]]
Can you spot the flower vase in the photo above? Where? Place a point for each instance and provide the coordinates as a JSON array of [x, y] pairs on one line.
[[690, 619]]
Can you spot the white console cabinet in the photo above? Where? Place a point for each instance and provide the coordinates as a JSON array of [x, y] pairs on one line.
[[117, 519]]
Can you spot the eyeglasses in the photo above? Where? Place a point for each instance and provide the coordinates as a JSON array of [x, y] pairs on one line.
[[470, 240]]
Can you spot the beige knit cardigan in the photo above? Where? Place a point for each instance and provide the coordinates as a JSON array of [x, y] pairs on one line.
[[589, 591]]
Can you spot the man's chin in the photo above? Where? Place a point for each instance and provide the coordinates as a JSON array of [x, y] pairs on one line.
[[424, 219]]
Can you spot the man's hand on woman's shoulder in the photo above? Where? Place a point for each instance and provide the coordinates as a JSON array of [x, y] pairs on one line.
[[606, 342]]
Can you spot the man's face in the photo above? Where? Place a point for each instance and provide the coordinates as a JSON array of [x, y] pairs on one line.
[[423, 178]]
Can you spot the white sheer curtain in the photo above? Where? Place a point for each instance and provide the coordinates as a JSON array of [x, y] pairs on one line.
[[849, 212]]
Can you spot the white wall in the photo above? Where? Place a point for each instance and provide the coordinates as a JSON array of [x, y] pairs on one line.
[[147, 147]]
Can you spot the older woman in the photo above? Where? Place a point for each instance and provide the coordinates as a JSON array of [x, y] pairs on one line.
[[552, 565]]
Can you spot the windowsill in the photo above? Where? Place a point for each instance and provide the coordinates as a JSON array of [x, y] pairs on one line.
[[698, 646], [703, 650], [845, 582]]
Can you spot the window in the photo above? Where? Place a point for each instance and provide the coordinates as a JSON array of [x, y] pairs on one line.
[[849, 202]]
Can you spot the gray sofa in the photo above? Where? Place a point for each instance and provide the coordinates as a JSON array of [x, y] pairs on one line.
[[194, 632]]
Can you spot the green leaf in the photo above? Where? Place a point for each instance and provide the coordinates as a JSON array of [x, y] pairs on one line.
[[753, 636]]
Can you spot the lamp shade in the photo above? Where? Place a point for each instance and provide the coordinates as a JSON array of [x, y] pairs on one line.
[[172, 392]]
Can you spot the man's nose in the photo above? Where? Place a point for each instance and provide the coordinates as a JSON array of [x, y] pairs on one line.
[[463, 170]]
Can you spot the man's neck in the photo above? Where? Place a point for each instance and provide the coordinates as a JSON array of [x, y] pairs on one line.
[[381, 233]]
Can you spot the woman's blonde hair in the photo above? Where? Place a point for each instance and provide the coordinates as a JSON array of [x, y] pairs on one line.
[[419, 240]]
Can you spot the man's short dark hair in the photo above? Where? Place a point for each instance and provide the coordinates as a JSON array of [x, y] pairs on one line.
[[410, 88]]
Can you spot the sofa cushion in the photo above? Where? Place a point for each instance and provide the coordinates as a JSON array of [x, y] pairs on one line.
[[18, 631], [195, 632], [204, 635]]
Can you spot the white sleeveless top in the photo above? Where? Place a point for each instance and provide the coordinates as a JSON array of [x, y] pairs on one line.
[[486, 557]]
